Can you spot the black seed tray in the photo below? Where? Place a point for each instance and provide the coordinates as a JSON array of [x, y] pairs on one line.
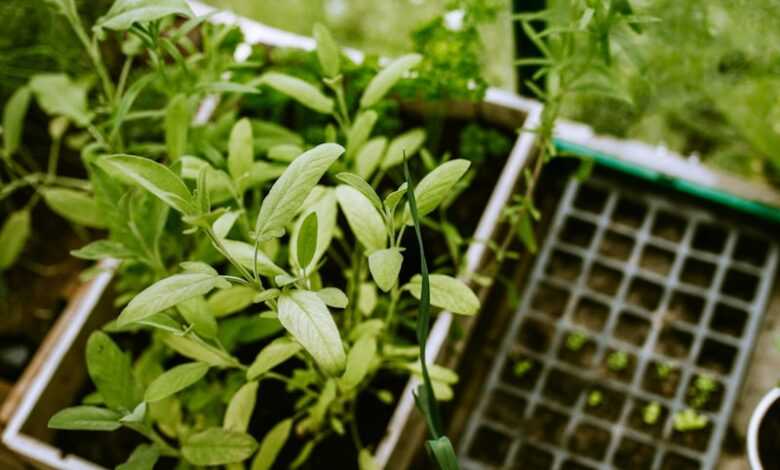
[[678, 291]]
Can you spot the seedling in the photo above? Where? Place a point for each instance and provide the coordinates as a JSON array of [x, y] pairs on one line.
[[702, 390], [664, 370], [617, 361], [522, 367], [595, 398], [689, 420], [651, 412], [575, 341]]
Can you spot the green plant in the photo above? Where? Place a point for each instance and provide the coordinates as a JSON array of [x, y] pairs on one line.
[[664, 370], [689, 420], [595, 398], [617, 361], [522, 367], [703, 388], [576, 340], [651, 412], [224, 253]]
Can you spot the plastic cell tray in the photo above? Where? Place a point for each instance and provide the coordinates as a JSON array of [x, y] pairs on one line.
[[673, 291]]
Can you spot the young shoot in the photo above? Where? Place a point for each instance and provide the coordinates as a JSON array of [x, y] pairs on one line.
[[617, 361], [575, 341], [651, 412], [595, 398], [522, 367], [689, 420]]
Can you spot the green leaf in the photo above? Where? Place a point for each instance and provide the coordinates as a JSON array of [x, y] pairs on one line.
[[101, 249], [244, 254], [228, 87], [124, 13], [59, 96], [14, 113], [525, 231], [284, 152], [436, 186], [308, 320], [359, 362], [144, 457], [300, 90], [448, 293], [442, 453], [224, 223], [290, 190], [177, 124], [228, 301], [198, 313], [333, 297], [167, 293], [392, 199], [385, 266], [241, 152], [363, 218], [217, 446], [361, 185], [326, 209], [271, 445], [306, 242], [240, 408], [387, 78], [175, 380], [277, 352], [407, 143], [75, 206], [111, 372], [13, 237], [86, 418], [327, 51], [195, 348], [369, 156], [366, 460], [152, 176], [360, 131]]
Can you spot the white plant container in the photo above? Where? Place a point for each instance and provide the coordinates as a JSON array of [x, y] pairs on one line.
[[754, 426]]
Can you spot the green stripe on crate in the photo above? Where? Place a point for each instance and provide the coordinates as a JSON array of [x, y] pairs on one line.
[[758, 209]]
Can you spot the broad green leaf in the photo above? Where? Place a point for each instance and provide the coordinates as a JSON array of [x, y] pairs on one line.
[[437, 373], [225, 302], [111, 372], [228, 87], [303, 455], [197, 267], [369, 156], [361, 185], [123, 13], [387, 78], [366, 460], [369, 328], [367, 298], [240, 408], [271, 445], [175, 380], [326, 209], [448, 293], [217, 446], [290, 190], [100, 249], [86, 418], [284, 152], [241, 152], [327, 51], [59, 96], [75, 206], [263, 172], [194, 348], [319, 410], [14, 113], [300, 90], [13, 237], [249, 328], [443, 454], [525, 231], [359, 361], [198, 313], [152, 176], [224, 223], [144, 457], [392, 199], [306, 317], [363, 218], [277, 352], [360, 131], [385, 266], [167, 293], [436, 186], [306, 241], [244, 254], [407, 143], [220, 186], [333, 297], [177, 124]]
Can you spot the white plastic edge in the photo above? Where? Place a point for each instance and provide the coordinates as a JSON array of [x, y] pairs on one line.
[[755, 422], [31, 447]]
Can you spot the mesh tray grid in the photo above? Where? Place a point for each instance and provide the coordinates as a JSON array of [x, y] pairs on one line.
[[633, 272]]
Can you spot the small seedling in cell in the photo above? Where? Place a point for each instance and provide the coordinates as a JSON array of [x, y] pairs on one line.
[[575, 341], [617, 361], [522, 367], [689, 420], [651, 412], [664, 370], [595, 398], [702, 390]]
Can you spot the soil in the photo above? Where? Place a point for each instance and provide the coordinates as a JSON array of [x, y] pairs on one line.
[[634, 455], [769, 437], [616, 245]]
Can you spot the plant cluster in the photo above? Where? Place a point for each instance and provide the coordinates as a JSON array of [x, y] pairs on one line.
[[249, 254]]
